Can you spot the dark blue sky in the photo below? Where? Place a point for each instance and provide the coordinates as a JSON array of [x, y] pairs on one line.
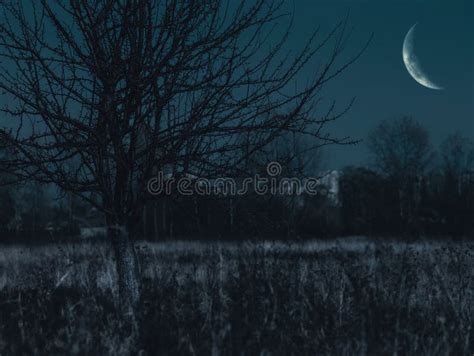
[[444, 44]]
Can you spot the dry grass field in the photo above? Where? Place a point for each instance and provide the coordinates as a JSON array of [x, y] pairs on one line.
[[347, 296]]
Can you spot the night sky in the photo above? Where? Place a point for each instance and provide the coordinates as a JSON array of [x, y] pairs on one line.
[[384, 90], [444, 44]]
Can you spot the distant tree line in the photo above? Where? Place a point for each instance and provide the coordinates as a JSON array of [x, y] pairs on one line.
[[408, 190]]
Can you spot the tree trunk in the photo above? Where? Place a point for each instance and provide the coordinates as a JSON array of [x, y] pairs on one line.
[[155, 220], [127, 270], [231, 215], [196, 216], [164, 218], [144, 221]]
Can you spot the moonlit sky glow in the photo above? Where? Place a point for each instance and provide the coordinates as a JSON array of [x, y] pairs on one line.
[[379, 79]]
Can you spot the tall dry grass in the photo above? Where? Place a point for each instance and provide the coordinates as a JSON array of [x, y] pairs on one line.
[[340, 297]]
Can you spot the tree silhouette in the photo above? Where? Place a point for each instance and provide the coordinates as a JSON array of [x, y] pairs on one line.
[[457, 165], [402, 152], [130, 87]]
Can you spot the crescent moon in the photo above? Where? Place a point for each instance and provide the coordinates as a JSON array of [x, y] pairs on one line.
[[412, 64]]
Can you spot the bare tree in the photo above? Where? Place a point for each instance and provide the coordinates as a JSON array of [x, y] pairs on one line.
[[402, 152], [400, 147], [456, 194], [130, 87], [457, 155]]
